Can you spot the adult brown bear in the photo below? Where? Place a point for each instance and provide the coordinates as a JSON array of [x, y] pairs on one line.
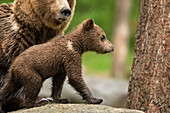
[[29, 22]]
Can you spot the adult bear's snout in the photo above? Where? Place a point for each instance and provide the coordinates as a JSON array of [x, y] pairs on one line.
[[66, 12]]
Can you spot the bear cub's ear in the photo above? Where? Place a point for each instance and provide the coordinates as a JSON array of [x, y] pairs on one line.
[[88, 24]]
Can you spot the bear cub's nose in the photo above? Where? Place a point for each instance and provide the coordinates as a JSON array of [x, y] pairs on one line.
[[113, 47], [65, 12]]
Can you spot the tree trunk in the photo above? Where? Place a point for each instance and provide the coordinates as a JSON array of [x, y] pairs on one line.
[[149, 82], [121, 38]]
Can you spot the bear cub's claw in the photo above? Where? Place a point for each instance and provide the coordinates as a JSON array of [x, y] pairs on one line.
[[95, 101]]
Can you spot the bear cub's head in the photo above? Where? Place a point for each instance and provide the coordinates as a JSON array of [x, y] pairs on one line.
[[95, 38]]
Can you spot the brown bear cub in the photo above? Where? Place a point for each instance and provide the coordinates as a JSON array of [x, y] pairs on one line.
[[57, 58]]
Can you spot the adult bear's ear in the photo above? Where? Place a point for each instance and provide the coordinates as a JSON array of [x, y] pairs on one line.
[[88, 24]]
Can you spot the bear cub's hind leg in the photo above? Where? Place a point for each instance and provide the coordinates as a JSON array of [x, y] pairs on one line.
[[58, 81], [32, 85]]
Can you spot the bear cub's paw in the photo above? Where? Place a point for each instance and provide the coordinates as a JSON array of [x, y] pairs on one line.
[[42, 101], [62, 101], [95, 101]]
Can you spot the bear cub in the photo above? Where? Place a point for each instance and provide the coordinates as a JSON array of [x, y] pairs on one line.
[[58, 58]]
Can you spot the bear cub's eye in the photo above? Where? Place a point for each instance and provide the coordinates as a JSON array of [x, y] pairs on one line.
[[103, 38]]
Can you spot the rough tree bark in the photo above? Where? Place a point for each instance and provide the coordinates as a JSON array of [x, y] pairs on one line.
[[121, 38], [149, 82]]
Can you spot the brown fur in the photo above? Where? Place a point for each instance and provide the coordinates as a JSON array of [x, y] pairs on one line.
[[25, 23], [29, 22], [56, 58]]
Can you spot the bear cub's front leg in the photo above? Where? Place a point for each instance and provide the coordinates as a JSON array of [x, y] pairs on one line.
[[81, 87], [77, 82]]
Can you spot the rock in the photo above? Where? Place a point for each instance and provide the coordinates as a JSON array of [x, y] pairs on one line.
[[112, 91], [76, 108]]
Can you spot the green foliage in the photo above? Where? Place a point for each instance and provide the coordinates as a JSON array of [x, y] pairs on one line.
[[6, 1], [96, 63], [135, 10]]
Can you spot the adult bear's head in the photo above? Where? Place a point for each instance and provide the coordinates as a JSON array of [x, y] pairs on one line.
[[52, 13]]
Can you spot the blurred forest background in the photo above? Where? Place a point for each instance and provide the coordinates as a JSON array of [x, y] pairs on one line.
[[105, 12]]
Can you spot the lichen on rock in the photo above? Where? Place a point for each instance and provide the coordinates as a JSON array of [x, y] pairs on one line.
[[76, 108]]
